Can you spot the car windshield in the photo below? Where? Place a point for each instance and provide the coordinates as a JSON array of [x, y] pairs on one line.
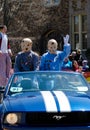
[[47, 81]]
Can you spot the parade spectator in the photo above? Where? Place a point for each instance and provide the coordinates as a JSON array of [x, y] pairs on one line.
[[26, 60], [85, 66], [5, 53], [72, 56], [67, 64], [76, 67], [52, 60], [79, 57]]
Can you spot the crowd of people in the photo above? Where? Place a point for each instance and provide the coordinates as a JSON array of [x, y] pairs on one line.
[[28, 60], [75, 62]]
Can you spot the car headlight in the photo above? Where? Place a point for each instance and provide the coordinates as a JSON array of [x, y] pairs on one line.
[[12, 118]]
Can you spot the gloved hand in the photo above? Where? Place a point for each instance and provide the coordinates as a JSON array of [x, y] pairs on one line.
[[66, 39]]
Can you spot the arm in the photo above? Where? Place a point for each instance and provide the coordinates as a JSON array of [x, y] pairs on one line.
[[66, 49], [36, 62], [42, 62], [9, 49]]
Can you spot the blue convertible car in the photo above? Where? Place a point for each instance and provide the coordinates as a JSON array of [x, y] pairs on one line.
[[46, 100]]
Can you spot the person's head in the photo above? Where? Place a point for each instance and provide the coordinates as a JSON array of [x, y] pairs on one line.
[[52, 46], [84, 62], [78, 51], [73, 53], [3, 28], [26, 44], [75, 64]]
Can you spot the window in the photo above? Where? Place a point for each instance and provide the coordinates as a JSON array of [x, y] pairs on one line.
[[80, 31], [50, 3], [84, 23], [76, 24]]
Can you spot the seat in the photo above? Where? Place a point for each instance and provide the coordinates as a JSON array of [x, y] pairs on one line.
[[26, 84], [61, 83]]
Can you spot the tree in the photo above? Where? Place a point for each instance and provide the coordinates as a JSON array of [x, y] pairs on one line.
[[9, 8]]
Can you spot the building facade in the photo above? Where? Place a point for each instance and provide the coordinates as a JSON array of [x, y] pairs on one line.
[[42, 20], [78, 16], [79, 25]]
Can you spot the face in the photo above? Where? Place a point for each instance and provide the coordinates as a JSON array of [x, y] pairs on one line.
[[84, 63], [26, 45], [79, 51], [52, 46], [73, 53], [5, 29], [75, 64]]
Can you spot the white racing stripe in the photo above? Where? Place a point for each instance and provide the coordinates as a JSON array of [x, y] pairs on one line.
[[49, 101], [63, 101]]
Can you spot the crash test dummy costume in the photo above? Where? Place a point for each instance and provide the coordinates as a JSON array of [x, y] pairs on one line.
[[5, 60], [52, 60], [26, 60]]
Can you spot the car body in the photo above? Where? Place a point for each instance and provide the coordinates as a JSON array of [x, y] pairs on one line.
[[46, 100]]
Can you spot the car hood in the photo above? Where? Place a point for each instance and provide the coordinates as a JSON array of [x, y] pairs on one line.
[[49, 101]]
